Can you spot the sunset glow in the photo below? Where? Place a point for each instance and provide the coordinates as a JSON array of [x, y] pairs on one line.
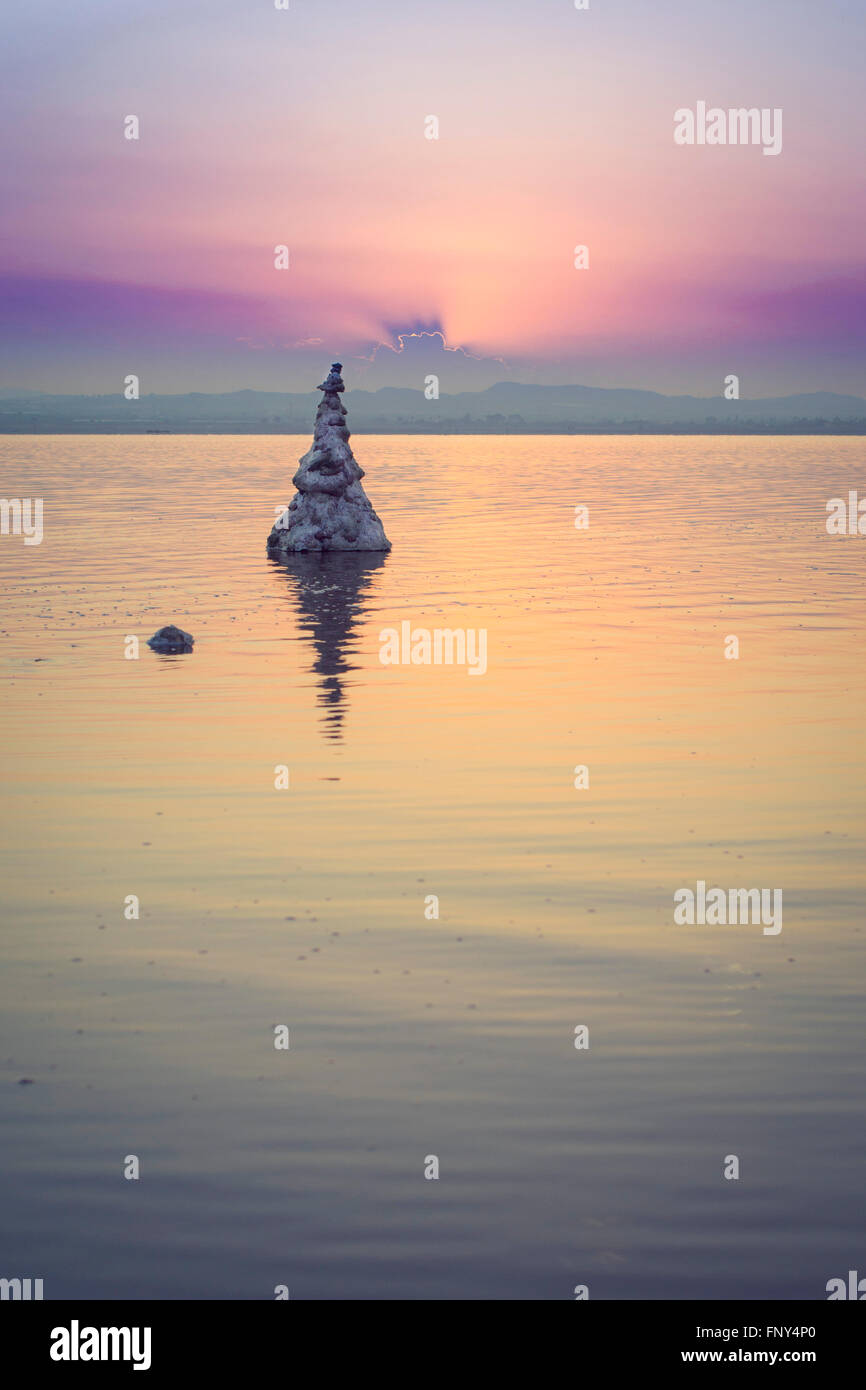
[[260, 127]]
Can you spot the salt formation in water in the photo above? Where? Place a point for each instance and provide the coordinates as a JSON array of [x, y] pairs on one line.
[[331, 511], [171, 639]]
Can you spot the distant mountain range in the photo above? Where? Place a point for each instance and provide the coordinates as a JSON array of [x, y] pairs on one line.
[[507, 408]]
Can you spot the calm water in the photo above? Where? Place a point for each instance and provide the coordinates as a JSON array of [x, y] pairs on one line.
[[453, 1036]]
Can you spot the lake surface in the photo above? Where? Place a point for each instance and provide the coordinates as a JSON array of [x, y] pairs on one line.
[[413, 1036]]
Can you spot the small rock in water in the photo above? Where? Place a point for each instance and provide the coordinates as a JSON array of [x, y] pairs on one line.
[[171, 639]]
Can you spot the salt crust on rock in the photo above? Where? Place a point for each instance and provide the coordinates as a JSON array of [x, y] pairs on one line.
[[331, 511]]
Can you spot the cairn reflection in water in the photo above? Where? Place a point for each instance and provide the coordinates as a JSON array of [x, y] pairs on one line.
[[330, 589]]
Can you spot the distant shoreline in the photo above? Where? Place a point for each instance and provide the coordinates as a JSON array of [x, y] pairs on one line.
[[506, 408], [824, 428]]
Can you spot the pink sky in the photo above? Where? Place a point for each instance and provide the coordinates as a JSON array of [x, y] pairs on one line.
[[306, 128]]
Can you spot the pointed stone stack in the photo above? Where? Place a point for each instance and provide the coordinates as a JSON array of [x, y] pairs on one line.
[[332, 510]]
